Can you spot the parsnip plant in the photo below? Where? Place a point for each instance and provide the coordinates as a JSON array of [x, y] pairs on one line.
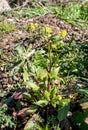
[[42, 75]]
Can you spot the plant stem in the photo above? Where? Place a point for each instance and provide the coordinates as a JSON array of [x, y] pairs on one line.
[[50, 66]]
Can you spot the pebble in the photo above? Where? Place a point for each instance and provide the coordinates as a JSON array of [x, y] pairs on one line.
[[4, 86], [15, 78], [10, 81], [0, 86], [3, 75], [5, 80]]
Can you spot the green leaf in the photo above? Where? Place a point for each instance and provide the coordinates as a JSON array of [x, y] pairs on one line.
[[29, 48], [47, 95], [20, 49], [26, 95], [29, 54], [54, 103], [53, 92], [32, 109], [79, 119], [41, 73], [34, 123], [63, 110], [83, 91], [32, 86], [42, 103], [16, 66], [54, 73], [46, 127], [25, 75]]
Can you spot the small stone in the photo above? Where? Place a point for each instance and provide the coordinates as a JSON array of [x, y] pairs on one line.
[[69, 114], [14, 82], [1, 80], [5, 80], [4, 6], [0, 86], [7, 46], [15, 78], [3, 75], [4, 86], [2, 68], [57, 82], [10, 80], [79, 85], [4, 83], [86, 120]]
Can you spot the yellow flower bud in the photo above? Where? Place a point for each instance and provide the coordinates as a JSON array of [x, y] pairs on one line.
[[48, 30], [63, 33], [59, 33], [61, 42], [31, 26], [59, 97], [54, 46], [36, 25]]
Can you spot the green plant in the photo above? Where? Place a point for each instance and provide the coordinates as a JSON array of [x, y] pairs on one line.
[[39, 69], [83, 92], [6, 27], [45, 69], [37, 10], [5, 119], [74, 13], [84, 10]]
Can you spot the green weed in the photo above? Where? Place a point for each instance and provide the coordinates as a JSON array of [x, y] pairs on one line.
[[5, 119], [31, 12], [39, 69], [46, 69], [74, 13], [6, 27]]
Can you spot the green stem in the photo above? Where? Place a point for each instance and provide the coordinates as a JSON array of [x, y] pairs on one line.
[[50, 66]]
